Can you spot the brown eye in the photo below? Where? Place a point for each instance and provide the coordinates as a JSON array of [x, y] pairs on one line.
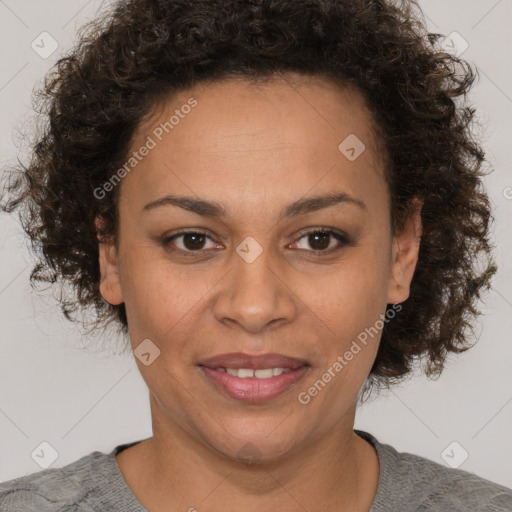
[[320, 240], [192, 241]]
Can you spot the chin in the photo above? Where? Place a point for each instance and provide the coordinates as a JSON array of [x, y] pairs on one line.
[[254, 445]]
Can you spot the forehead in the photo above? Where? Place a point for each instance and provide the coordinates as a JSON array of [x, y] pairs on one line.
[[234, 109], [291, 132]]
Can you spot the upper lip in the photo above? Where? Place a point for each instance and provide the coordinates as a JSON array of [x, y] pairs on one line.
[[255, 362]]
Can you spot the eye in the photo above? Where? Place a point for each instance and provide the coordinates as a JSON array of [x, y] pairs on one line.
[[320, 240], [193, 241]]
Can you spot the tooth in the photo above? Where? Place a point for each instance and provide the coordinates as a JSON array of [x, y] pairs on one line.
[[263, 374], [220, 369], [246, 373]]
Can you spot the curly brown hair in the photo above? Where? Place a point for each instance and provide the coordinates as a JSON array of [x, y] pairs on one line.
[[140, 51]]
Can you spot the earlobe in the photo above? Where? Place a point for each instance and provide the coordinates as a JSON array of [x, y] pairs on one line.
[[110, 284], [406, 245]]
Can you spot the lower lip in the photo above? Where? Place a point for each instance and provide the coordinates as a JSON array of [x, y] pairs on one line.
[[252, 389]]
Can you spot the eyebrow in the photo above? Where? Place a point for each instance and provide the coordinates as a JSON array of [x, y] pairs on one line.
[[215, 210]]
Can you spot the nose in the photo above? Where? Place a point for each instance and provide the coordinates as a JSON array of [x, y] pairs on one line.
[[255, 295]]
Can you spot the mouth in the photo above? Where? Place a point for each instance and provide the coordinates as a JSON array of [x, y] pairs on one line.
[[255, 378]]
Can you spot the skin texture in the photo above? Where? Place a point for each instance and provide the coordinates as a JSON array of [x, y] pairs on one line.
[[254, 149]]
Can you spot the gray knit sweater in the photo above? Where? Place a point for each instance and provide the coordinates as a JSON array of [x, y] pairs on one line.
[[407, 483]]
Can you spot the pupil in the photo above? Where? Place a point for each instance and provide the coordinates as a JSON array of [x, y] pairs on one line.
[[313, 238], [198, 237]]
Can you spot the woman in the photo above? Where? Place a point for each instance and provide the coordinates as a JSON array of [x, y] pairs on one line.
[[280, 204]]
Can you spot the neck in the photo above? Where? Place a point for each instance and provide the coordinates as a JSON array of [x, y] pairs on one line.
[[175, 470]]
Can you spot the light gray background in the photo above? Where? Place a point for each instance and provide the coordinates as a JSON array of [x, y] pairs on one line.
[[80, 401]]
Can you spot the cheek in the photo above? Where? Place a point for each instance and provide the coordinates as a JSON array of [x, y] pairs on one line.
[[351, 298], [157, 295], [348, 307]]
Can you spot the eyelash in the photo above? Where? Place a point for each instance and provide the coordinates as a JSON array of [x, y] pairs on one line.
[[340, 236]]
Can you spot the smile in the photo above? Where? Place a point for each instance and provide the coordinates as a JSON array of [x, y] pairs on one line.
[[253, 386], [247, 373]]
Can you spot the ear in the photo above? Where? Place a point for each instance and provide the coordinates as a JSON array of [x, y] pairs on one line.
[[110, 284], [406, 245]]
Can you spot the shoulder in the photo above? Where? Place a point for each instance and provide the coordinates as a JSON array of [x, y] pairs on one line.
[[63, 489], [409, 482], [435, 487]]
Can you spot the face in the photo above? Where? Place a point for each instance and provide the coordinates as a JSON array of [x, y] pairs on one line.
[[262, 268]]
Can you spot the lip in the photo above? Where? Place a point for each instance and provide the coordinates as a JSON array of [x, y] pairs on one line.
[[253, 390], [253, 362]]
